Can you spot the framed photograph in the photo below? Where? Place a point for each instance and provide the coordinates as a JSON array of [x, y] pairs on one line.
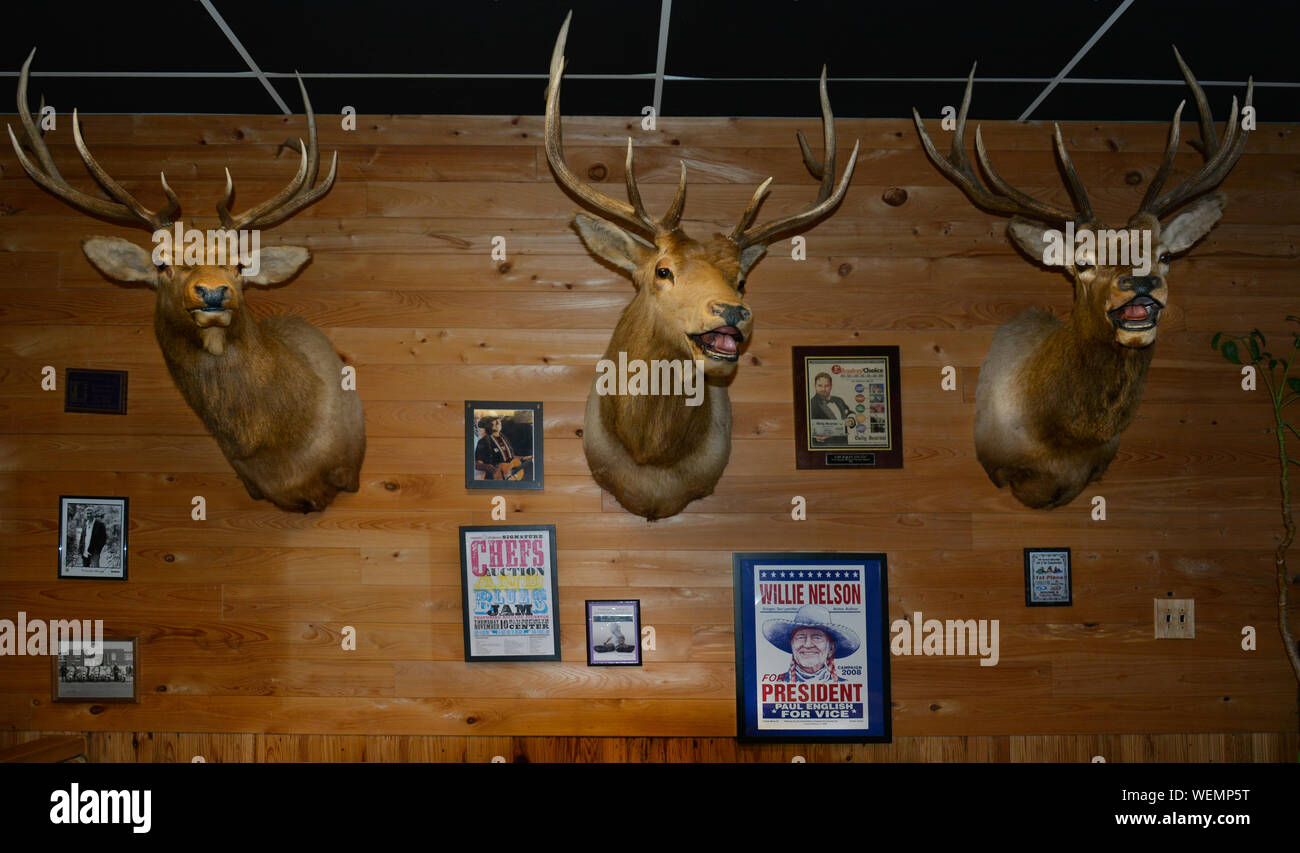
[[1047, 578], [614, 633], [86, 671], [812, 647], [847, 412], [503, 445], [92, 538], [100, 392], [509, 595]]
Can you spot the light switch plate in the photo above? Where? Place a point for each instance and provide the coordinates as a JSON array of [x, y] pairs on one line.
[[1175, 618]]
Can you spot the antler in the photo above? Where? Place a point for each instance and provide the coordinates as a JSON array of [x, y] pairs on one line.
[[1220, 155], [294, 197], [826, 201], [125, 209], [633, 215], [958, 168]]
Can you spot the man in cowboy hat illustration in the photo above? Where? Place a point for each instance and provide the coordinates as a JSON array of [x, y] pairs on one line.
[[813, 641]]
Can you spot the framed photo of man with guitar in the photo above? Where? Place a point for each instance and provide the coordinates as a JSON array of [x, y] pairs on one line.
[[503, 445]]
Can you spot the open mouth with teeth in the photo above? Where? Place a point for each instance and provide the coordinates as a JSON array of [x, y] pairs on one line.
[[1137, 315], [722, 343]]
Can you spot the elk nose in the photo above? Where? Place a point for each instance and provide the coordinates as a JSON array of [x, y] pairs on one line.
[[732, 315], [1140, 284], [213, 297]]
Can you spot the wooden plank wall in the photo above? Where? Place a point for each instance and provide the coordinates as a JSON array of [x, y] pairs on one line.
[[240, 615]]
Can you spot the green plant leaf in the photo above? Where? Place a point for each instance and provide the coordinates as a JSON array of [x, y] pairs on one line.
[[1214, 341], [1293, 383], [1253, 345], [1272, 365], [1229, 350]]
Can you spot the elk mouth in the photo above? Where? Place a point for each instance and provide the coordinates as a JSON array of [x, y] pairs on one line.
[[207, 317], [1138, 314], [722, 343]]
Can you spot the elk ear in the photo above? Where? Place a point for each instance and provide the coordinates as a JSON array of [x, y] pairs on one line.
[[1030, 236], [612, 243], [749, 256], [276, 264], [1192, 224], [120, 260]]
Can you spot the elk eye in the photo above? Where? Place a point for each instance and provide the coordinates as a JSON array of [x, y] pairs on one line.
[[664, 272], [1082, 266], [1164, 258], [740, 287]]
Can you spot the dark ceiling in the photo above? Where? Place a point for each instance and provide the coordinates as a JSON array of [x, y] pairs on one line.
[[730, 57]]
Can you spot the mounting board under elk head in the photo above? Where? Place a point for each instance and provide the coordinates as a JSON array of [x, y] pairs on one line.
[[270, 391], [657, 452], [1054, 395]]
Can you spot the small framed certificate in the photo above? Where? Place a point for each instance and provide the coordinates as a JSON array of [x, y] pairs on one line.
[[1047, 577]]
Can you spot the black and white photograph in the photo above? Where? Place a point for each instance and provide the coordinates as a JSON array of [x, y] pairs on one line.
[[92, 537], [503, 445], [103, 671], [614, 633]]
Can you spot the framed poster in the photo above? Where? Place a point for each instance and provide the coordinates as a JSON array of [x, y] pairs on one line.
[[847, 412], [96, 672], [614, 633], [1047, 578], [812, 647], [509, 597], [503, 445], [92, 537]]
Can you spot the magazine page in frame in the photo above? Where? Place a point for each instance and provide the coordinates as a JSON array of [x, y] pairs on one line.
[[509, 593], [503, 445], [812, 647], [847, 410]]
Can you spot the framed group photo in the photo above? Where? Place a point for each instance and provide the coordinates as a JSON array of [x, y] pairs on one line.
[[92, 537], [847, 409], [503, 445], [812, 647], [96, 672], [509, 594]]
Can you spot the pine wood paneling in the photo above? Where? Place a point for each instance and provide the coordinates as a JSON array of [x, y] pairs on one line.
[[241, 616]]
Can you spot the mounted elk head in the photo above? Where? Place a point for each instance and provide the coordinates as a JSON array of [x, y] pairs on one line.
[[1054, 396], [657, 452], [269, 391]]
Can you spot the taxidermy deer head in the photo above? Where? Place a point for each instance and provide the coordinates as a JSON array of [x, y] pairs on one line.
[[270, 391], [657, 452], [1054, 396]]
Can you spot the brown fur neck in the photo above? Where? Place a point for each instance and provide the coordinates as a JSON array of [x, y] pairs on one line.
[[1083, 386], [655, 429]]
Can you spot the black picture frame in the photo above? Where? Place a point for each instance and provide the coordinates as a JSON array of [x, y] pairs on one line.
[[867, 428], [523, 436], [98, 392], [776, 596], [73, 681], [81, 517], [601, 615], [526, 638], [1047, 571]]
